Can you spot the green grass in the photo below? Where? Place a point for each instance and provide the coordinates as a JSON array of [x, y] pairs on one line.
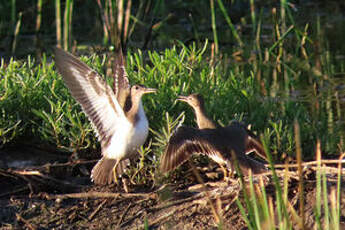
[[36, 104]]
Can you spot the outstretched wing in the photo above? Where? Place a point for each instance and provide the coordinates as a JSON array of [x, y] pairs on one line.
[[121, 83], [93, 94], [187, 141]]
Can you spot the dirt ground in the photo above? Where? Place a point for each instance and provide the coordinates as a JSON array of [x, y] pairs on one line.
[[170, 206], [53, 197]]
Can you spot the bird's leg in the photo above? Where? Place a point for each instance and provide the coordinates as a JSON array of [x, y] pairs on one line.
[[114, 172], [124, 180]]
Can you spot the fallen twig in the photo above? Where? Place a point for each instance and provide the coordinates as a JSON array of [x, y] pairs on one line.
[[100, 195], [174, 203], [330, 170], [308, 163], [132, 218], [123, 214], [163, 217], [96, 210]]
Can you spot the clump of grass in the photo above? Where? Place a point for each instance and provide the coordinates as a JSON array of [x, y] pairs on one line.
[[36, 96], [260, 212]]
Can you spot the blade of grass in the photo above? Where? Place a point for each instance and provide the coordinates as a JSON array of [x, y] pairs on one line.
[[253, 16], [231, 25], [281, 39], [120, 16], [244, 215], [251, 212], [16, 32], [338, 214], [127, 17], [325, 199], [105, 22], [13, 12], [68, 24], [318, 185], [254, 202], [334, 211], [266, 207], [300, 173], [281, 207], [38, 18], [58, 23], [137, 17], [214, 27]]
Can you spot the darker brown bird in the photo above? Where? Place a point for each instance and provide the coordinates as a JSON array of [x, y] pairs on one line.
[[219, 143], [196, 101]]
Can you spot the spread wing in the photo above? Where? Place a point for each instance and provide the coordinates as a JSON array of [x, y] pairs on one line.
[[217, 144], [187, 141], [93, 94], [121, 83]]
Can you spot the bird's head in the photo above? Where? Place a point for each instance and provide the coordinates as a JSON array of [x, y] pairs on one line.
[[195, 100], [137, 91]]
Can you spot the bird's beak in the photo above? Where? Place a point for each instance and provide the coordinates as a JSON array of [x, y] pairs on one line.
[[150, 90], [182, 98]]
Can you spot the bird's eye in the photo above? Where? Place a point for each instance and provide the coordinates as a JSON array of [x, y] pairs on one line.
[[136, 87]]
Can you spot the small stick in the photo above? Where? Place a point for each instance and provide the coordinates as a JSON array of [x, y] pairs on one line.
[[173, 203], [163, 217], [96, 211], [123, 214], [27, 173], [100, 195], [309, 163], [132, 218], [329, 169]]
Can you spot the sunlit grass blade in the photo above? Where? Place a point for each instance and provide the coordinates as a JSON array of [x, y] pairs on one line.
[[325, 199], [231, 25], [214, 26], [16, 32], [67, 36], [38, 20], [58, 23], [338, 198], [282, 37], [318, 185], [253, 15], [300, 173], [283, 216]]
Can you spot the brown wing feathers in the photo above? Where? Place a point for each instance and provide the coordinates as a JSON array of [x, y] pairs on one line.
[[218, 144], [121, 83], [187, 141], [89, 89]]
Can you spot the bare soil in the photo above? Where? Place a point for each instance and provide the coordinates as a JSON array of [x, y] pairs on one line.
[[58, 196]]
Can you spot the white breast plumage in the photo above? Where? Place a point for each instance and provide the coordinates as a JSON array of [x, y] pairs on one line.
[[141, 130], [128, 138]]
